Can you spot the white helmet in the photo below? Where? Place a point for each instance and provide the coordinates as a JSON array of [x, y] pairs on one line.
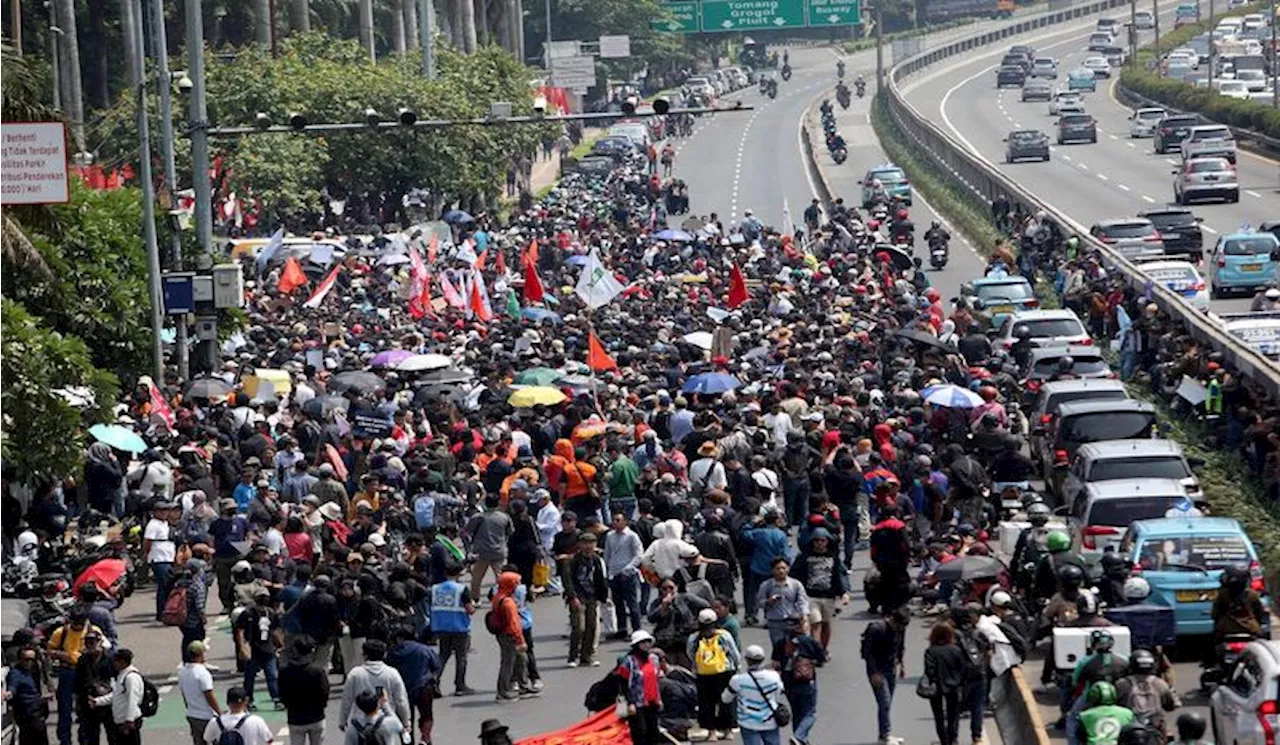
[[753, 653], [875, 183], [747, 213], [1136, 589], [639, 636]]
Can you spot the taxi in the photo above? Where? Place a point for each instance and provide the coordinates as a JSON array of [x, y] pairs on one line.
[[1082, 79], [999, 295], [1260, 330], [1243, 261], [1178, 273]]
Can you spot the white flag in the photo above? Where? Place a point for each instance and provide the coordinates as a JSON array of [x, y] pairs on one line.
[[596, 285], [788, 225], [466, 253]]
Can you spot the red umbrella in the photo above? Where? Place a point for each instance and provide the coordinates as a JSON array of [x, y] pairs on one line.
[[104, 574]]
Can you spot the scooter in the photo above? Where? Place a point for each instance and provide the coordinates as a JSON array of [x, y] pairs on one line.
[[862, 89], [840, 69], [773, 89], [839, 155], [939, 254], [1228, 652], [842, 96], [785, 72]]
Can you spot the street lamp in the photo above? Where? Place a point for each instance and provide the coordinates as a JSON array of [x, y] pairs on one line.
[[182, 81], [371, 116], [297, 120], [406, 116], [261, 121]]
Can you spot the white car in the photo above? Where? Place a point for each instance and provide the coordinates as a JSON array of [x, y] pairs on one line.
[[1179, 276], [1144, 20], [1232, 88], [1254, 80], [1065, 101], [1193, 57], [1143, 122], [1254, 21], [1100, 67], [1244, 710], [1058, 327]]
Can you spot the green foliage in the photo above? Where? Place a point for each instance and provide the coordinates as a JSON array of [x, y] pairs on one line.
[[42, 437], [589, 19]]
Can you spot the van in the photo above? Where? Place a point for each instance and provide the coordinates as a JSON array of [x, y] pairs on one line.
[[1101, 514], [1082, 422]]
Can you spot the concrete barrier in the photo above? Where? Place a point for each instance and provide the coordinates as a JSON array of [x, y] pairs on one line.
[[1017, 714]]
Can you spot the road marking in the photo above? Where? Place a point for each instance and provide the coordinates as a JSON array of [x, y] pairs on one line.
[[1208, 229], [1146, 198], [1113, 137], [1171, 161], [1122, 187], [164, 689], [1130, 144], [1082, 166], [1253, 193], [1066, 157], [1103, 176]]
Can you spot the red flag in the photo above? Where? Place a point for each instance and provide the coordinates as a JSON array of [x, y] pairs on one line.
[[159, 406], [482, 259], [737, 288], [479, 301], [500, 263], [532, 285], [531, 253], [451, 294], [433, 246], [323, 288], [597, 358], [292, 277]]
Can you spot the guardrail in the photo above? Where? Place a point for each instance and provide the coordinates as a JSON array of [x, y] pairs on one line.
[[986, 181], [1247, 139]]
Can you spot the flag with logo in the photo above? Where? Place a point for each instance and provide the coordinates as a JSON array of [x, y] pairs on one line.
[[596, 285], [268, 251], [451, 294]]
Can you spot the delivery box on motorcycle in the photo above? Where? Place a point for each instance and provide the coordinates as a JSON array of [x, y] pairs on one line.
[[1070, 645]]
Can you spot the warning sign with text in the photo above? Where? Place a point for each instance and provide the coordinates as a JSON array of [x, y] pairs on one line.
[[33, 163]]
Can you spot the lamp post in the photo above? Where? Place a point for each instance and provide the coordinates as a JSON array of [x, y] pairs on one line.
[[148, 195]]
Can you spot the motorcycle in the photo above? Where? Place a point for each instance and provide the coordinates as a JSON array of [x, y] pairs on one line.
[[939, 253], [773, 89], [785, 72], [842, 96], [1228, 652], [840, 69], [862, 89]]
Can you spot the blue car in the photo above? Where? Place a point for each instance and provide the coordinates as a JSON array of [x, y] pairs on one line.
[[1243, 261], [1082, 79], [1183, 558]]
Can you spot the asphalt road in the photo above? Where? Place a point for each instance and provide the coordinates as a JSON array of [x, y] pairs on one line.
[[1115, 177]]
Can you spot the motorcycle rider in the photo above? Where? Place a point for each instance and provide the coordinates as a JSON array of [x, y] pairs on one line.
[[1022, 347], [840, 69], [1238, 608], [1101, 666], [861, 85], [1191, 729], [1051, 578], [936, 234], [904, 230], [751, 226], [1064, 369], [1144, 692], [1265, 301], [1101, 721], [974, 346], [1032, 545], [878, 193]]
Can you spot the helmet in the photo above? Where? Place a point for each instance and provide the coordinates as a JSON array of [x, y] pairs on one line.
[[1057, 541], [1040, 215], [1191, 726], [1101, 640], [1102, 693], [1022, 331], [1087, 605], [1066, 363], [1071, 576], [875, 183], [1235, 575], [935, 225], [901, 214], [1143, 661], [1273, 294], [753, 653], [1038, 514], [1136, 589], [1114, 566]]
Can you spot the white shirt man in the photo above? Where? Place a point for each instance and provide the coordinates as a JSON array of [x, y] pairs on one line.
[[196, 684], [252, 729]]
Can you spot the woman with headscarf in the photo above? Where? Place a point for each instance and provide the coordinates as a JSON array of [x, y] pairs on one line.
[[104, 479]]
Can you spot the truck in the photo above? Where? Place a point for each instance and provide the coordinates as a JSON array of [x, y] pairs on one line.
[[945, 10]]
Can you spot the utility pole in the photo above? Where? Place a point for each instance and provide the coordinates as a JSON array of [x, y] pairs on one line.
[[148, 194], [54, 33], [426, 27], [547, 53], [879, 49], [197, 127], [1275, 60], [1155, 15], [160, 50], [1133, 33], [1213, 53], [15, 25]]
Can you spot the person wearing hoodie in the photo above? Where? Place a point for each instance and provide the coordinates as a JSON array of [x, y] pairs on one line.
[[375, 676], [826, 581], [510, 633], [663, 556], [768, 542], [891, 554]]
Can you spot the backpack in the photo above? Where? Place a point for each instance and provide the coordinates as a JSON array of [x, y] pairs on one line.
[[367, 734], [974, 653], [803, 669], [711, 658], [150, 698], [230, 736], [493, 622], [603, 694], [175, 607], [699, 585], [1144, 698]]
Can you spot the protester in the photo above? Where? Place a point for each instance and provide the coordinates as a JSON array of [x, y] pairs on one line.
[[238, 719], [304, 691], [195, 683], [756, 691]]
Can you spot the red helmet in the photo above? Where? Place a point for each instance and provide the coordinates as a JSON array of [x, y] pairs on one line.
[[988, 393], [902, 214], [873, 224]]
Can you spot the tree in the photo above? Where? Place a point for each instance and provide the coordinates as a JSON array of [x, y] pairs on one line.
[[43, 438]]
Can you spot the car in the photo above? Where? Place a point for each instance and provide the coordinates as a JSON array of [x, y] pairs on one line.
[[1018, 59], [1260, 330], [1023, 49], [1172, 130], [1208, 140], [1242, 261], [1143, 122], [1186, 57], [1010, 75], [1245, 709], [1115, 57], [1048, 328], [1109, 25], [1026, 143], [1129, 236], [1082, 79], [1099, 518], [1087, 363], [1053, 394], [1100, 67], [1199, 178], [1082, 422], [1144, 20], [1065, 100], [1100, 40], [892, 178], [700, 86], [593, 164], [637, 132], [1076, 128], [1044, 67], [617, 148], [1131, 459], [1270, 226], [998, 294], [1180, 276], [1254, 81], [1037, 90], [1237, 89]]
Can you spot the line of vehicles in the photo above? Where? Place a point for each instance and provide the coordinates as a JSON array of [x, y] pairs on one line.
[[1239, 51]]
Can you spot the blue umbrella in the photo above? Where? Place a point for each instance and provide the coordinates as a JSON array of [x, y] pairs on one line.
[[710, 383], [577, 260], [538, 315], [672, 235], [120, 438], [457, 217], [951, 396]]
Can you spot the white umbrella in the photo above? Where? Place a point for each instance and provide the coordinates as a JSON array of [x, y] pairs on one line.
[[700, 339], [420, 362], [951, 397]]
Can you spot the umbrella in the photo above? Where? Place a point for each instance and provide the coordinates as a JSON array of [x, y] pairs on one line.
[[457, 217], [435, 391], [577, 260], [208, 388], [536, 396], [700, 339], [929, 340], [120, 438], [393, 259], [901, 260], [420, 362], [389, 357], [356, 380], [14, 614], [539, 315], [576, 381], [447, 375], [951, 396], [968, 568], [710, 383], [321, 406], [538, 376], [587, 430], [104, 574], [673, 235]]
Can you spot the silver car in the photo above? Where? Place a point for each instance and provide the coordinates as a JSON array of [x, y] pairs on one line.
[[1044, 67], [1129, 236], [1199, 178], [1143, 122]]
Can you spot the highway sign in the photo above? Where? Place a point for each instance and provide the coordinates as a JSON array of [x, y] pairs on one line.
[[613, 47], [683, 18], [835, 12], [751, 15], [573, 72]]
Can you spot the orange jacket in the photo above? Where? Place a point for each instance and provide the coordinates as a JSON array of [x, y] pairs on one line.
[[504, 605]]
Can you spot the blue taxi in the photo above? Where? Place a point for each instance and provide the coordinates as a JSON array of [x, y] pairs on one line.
[[999, 296], [1082, 79], [1243, 261], [892, 178], [1183, 557]]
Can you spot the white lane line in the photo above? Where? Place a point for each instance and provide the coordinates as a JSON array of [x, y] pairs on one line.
[[1082, 166], [1122, 187], [1066, 157], [1103, 176], [1113, 137], [1208, 229], [1171, 161], [1253, 194], [1130, 144], [164, 689], [1146, 198]]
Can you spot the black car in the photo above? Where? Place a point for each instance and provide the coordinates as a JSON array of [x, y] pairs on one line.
[[1179, 229], [1172, 130], [1019, 59], [1026, 143], [1270, 226], [1010, 75]]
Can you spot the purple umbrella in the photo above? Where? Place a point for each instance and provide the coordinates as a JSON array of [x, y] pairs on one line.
[[389, 357]]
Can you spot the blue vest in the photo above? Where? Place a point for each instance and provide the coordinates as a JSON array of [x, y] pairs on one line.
[[448, 615], [424, 512]]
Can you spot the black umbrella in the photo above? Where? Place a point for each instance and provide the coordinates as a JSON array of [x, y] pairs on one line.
[[900, 259], [208, 388], [446, 375], [357, 380], [969, 568], [929, 340], [440, 391], [321, 406]]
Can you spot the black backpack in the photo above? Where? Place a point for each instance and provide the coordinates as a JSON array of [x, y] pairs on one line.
[[974, 654], [366, 734], [230, 736], [150, 698]]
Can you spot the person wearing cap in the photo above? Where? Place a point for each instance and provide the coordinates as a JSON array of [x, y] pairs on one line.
[[93, 678], [640, 671], [328, 489], [195, 683], [258, 636], [586, 588], [160, 547], [64, 648], [756, 691], [707, 472], [227, 530], [715, 659]]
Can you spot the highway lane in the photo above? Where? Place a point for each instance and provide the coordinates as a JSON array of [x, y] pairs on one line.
[[1115, 177]]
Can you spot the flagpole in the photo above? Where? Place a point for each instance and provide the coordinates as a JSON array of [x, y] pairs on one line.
[[591, 331]]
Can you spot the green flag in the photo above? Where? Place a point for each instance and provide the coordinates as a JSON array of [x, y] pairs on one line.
[[513, 305]]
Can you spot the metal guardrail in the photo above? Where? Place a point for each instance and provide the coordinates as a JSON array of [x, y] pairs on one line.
[[1247, 139], [986, 181]]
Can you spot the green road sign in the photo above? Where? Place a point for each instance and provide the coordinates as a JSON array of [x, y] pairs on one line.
[[682, 18], [751, 15], [835, 12]]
